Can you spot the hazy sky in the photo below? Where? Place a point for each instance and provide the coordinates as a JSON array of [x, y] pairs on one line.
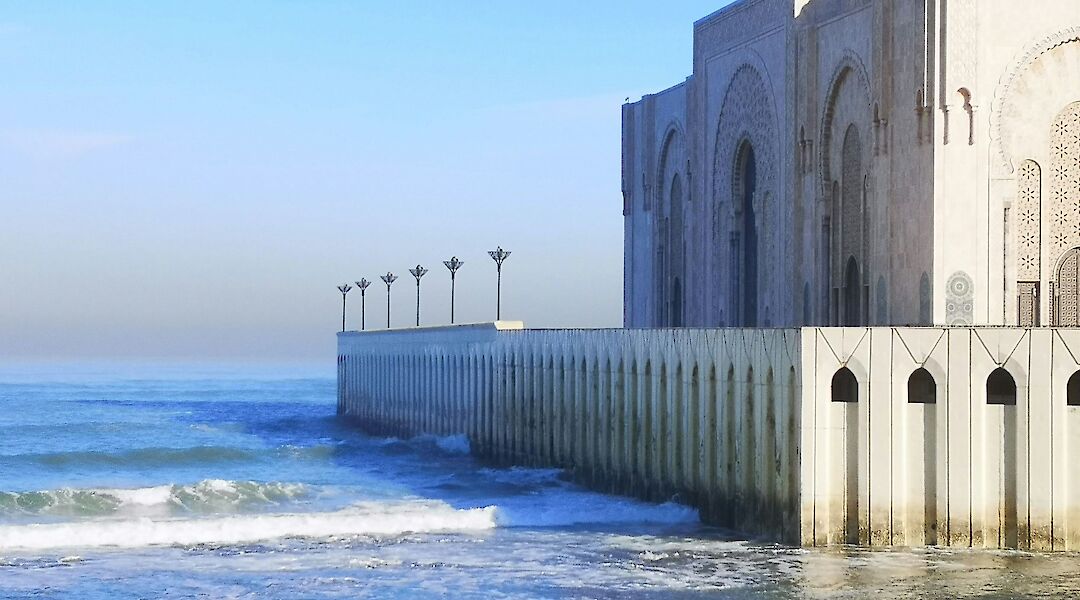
[[190, 180]]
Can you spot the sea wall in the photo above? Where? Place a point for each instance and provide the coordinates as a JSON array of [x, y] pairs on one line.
[[958, 437], [955, 437], [709, 417]]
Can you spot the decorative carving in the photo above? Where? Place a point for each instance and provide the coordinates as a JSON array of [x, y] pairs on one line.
[[851, 195], [740, 21], [1003, 97], [846, 129], [1067, 291], [963, 20], [671, 158], [840, 105], [746, 115], [1065, 181], [1028, 224], [960, 299], [1027, 303]]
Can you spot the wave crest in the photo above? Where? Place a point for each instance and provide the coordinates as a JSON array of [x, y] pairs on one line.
[[205, 497], [372, 519]]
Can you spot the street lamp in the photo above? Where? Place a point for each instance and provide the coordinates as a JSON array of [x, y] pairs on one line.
[[362, 285], [498, 256], [453, 264], [389, 280], [344, 289], [418, 272]]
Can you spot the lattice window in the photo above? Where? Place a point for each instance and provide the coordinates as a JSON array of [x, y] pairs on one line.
[[1065, 215], [1028, 214], [1065, 180], [851, 195], [1068, 291], [1028, 303]]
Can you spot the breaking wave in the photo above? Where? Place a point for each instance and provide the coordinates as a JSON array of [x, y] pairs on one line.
[[205, 497], [371, 519]]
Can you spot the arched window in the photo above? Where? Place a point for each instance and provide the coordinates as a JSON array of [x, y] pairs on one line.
[[845, 388], [921, 388], [1001, 388], [1072, 391]]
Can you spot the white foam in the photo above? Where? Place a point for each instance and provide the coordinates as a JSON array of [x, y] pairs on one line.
[[149, 496], [454, 444], [377, 519]]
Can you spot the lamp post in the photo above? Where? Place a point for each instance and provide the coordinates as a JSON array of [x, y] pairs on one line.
[[499, 256], [344, 289], [362, 285], [389, 280], [453, 264], [418, 272]]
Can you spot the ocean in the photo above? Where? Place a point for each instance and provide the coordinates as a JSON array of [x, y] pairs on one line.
[[221, 482]]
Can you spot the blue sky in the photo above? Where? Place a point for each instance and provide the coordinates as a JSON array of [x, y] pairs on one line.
[[189, 180]]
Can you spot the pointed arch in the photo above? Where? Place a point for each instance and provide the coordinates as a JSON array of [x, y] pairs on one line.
[[1001, 388], [921, 387], [845, 387], [745, 227]]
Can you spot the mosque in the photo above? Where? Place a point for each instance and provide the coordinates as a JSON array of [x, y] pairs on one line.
[[852, 290], [860, 163]]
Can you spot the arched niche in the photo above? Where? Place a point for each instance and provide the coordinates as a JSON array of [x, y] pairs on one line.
[[922, 388], [845, 387], [1001, 388], [1072, 390]]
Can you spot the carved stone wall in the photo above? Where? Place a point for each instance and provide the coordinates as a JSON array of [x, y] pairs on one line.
[[1045, 69], [746, 116], [669, 233], [1028, 228], [1029, 222], [1067, 301], [1065, 181], [1065, 213]]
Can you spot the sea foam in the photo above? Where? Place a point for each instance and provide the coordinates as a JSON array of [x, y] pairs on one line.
[[375, 519]]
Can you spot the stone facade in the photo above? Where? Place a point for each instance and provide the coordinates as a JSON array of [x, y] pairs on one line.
[[861, 162]]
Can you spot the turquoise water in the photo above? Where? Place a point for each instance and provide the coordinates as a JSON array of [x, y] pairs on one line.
[[190, 482]]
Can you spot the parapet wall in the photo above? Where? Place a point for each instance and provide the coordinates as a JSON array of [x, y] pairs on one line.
[[872, 436]]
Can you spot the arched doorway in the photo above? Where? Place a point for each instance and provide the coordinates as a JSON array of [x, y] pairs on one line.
[[852, 294], [747, 236], [852, 215], [1067, 290]]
